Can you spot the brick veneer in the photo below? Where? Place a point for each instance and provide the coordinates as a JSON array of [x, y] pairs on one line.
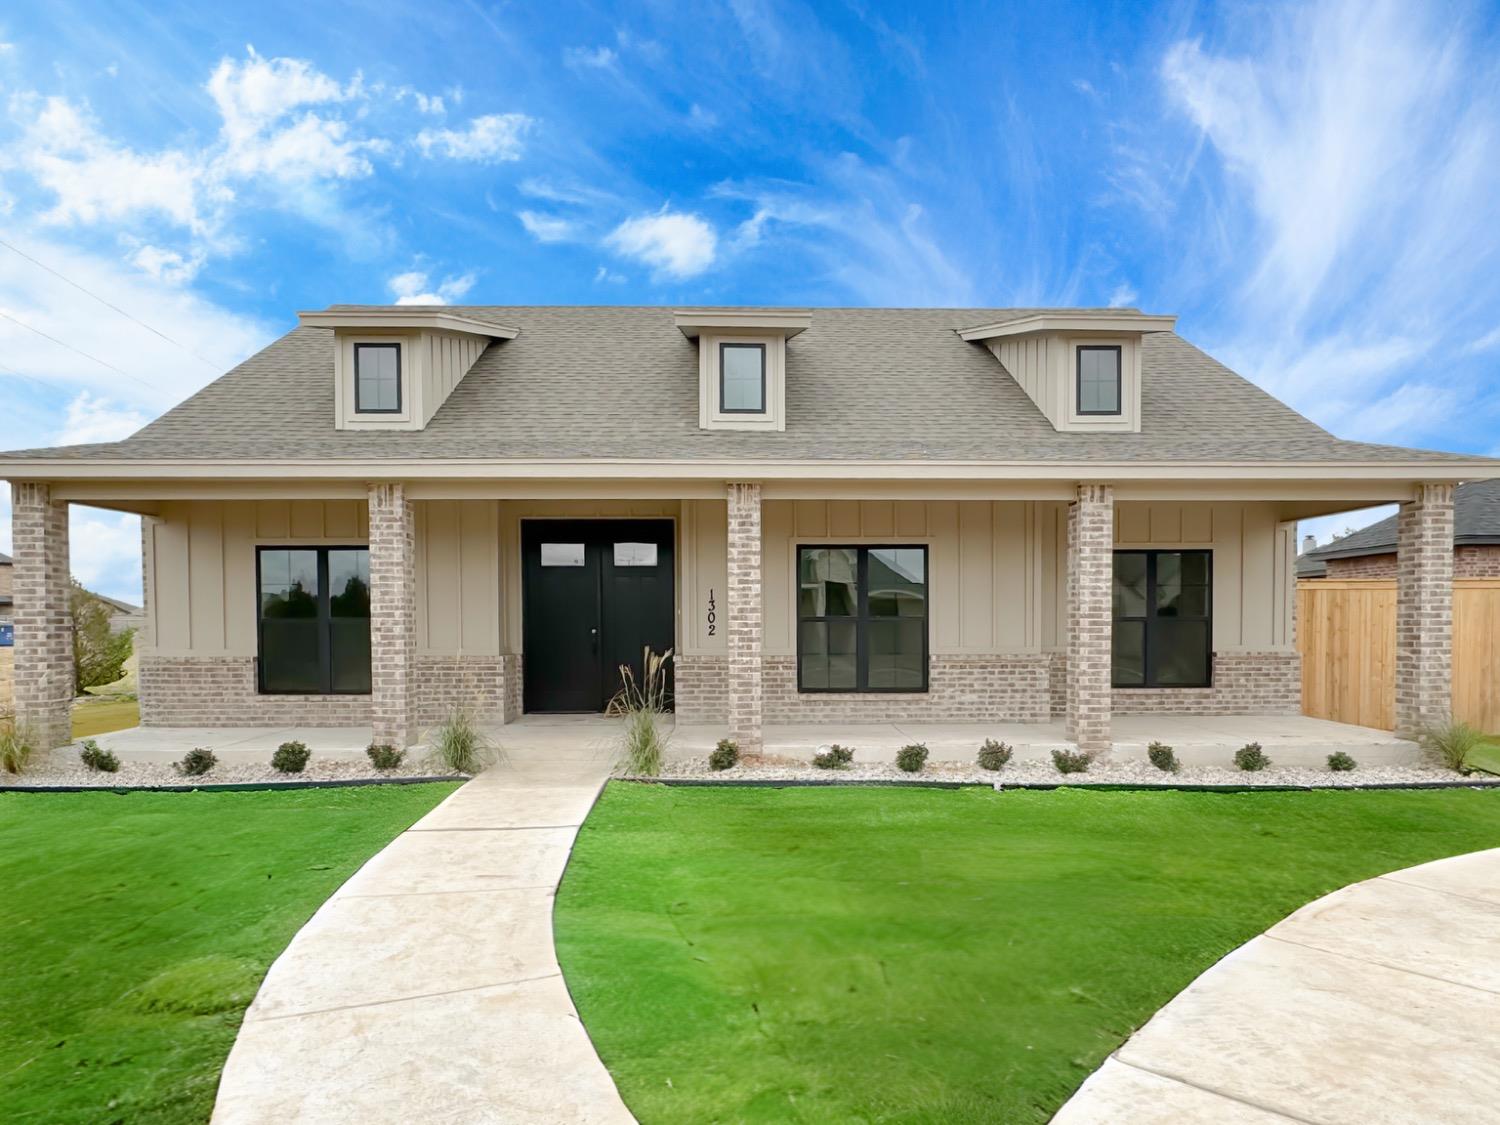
[[1011, 686], [744, 615], [42, 614], [220, 691], [1091, 537], [480, 684], [392, 615], [700, 686], [1424, 610], [1475, 561], [1265, 682]]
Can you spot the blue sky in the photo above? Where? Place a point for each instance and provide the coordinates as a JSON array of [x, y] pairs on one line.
[[1310, 187]]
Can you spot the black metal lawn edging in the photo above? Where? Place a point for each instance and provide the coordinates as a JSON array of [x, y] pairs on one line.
[[1044, 786], [235, 786]]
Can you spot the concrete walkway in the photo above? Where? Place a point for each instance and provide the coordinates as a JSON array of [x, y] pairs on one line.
[[427, 989], [1377, 1004]]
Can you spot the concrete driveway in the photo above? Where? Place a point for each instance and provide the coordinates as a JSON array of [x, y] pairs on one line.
[[1376, 1005]]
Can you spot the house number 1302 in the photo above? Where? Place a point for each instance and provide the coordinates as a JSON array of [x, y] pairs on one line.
[[712, 616]]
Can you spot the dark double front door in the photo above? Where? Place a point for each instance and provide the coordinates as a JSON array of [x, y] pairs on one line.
[[596, 594]]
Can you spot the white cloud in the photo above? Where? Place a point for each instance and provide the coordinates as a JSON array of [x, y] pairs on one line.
[[105, 551], [167, 265], [604, 275], [1123, 295], [158, 373], [1348, 181], [256, 93], [93, 418], [547, 228], [431, 104], [1489, 340], [591, 58], [489, 139], [413, 288], [673, 243]]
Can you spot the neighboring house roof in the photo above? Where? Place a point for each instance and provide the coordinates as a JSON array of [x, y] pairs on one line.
[[609, 383], [1311, 566], [122, 608], [1476, 522], [6, 560]]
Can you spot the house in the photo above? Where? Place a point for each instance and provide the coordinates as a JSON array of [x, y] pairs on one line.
[[827, 514], [7, 585], [1370, 552]]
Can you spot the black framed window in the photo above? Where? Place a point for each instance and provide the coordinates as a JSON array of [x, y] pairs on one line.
[[1099, 379], [1163, 619], [742, 378], [314, 620], [377, 378], [861, 619]]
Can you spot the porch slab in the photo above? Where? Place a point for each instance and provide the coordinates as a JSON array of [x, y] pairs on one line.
[[233, 744]]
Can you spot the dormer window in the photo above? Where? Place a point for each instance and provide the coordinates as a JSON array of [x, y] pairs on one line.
[[377, 378], [742, 357], [742, 378], [1099, 389]]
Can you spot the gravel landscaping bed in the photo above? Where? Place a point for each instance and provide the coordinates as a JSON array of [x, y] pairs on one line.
[[1128, 772], [61, 770]]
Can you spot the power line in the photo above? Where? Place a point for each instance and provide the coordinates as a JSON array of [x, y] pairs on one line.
[[108, 304], [79, 351]]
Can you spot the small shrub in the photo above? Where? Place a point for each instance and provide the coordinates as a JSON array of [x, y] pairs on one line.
[[1163, 757], [912, 758], [17, 745], [833, 757], [1072, 761], [726, 755], [290, 757], [1251, 758], [459, 746], [197, 762], [1339, 762], [100, 761], [1452, 743], [994, 755], [384, 756]]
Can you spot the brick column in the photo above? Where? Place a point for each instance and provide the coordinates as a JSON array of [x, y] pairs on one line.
[[1424, 610], [744, 617], [43, 614], [1091, 540], [393, 637]]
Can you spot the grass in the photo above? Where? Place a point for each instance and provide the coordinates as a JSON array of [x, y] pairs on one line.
[[92, 718], [912, 955], [137, 927]]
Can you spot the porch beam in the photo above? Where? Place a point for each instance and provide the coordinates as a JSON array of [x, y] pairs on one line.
[[43, 616], [1091, 531], [393, 637], [745, 617], [1424, 610]]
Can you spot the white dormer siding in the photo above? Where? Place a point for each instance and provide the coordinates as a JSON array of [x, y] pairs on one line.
[[436, 350], [742, 336], [1043, 354]]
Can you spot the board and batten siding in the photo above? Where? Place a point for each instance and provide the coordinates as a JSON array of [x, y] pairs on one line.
[[201, 598], [997, 568]]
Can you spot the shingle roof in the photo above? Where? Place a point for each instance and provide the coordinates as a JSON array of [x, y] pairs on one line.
[[5, 560], [1311, 566], [1476, 520], [616, 382]]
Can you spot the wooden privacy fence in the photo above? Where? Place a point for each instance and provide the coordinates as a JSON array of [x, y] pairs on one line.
[[1346, 633]]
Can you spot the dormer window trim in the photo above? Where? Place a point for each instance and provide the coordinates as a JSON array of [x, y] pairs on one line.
[[743, 345], [383, 345], [1078, 396]]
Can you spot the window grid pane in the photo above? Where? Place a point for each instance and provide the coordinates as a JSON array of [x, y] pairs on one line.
[[742, 378], [314, 620], [377, 378], [1099, 380], [862, 619], [1162, 627]]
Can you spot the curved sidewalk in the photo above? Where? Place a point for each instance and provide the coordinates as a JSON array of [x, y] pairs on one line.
[[427, 988], [1375, 1005]]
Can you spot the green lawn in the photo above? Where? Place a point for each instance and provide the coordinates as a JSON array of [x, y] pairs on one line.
[[914, 955], [106, 715], [136, 928]]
